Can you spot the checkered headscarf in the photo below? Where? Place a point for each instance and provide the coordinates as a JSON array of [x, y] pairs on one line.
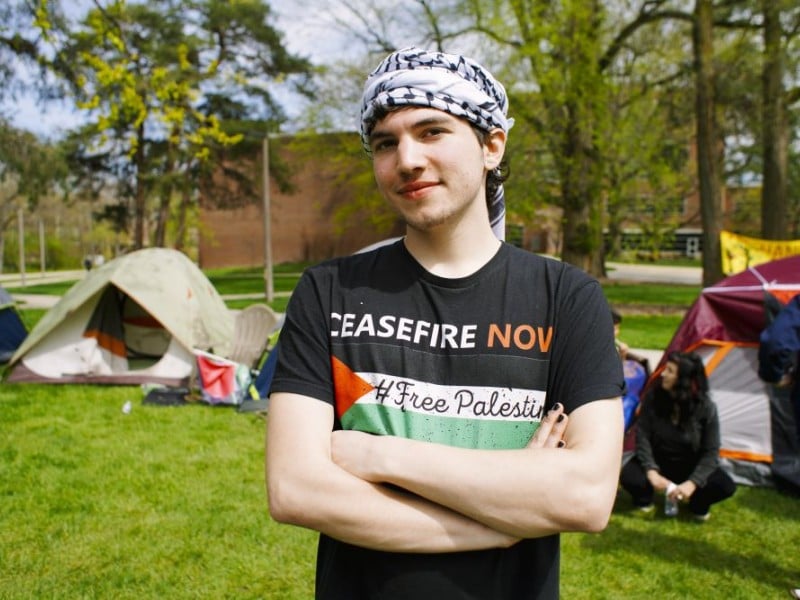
[[448, 82]]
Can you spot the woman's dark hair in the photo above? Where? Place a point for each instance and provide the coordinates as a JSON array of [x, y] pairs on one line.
[[691, 386]]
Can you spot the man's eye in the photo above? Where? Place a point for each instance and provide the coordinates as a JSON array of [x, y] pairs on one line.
[[382, 145], [433, 132]]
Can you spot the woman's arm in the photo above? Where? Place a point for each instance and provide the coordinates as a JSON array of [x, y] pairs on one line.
[[709, 445], [644, 436]]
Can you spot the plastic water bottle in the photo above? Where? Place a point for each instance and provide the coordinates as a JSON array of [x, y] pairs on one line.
[[670, 506]]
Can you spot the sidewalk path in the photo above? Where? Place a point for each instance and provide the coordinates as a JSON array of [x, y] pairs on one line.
[[41, 301], [654, 356], [654, 273]]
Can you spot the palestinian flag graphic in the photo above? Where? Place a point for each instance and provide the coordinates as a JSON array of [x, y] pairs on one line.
[[467, 416]]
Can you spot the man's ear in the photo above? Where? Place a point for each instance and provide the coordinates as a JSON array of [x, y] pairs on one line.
[[494, 148]]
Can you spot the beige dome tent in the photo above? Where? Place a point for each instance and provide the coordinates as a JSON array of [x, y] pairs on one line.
[[136, 319]]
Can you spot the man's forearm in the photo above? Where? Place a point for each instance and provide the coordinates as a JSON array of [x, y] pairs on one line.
[[530, 492], [307, 489], [379, 517]]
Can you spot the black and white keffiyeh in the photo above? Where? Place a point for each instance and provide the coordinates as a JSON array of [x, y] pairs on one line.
[[454, 84]]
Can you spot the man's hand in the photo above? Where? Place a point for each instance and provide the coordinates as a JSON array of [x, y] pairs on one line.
[[550, 433]]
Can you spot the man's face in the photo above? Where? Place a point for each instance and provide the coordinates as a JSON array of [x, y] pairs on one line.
[[431, 167]]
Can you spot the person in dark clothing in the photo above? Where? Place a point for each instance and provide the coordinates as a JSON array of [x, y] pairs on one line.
[[443, 406], [677, 442], [778, 353], [623, 348]]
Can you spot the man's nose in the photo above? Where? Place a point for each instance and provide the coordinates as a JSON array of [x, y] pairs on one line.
[[410, 155]]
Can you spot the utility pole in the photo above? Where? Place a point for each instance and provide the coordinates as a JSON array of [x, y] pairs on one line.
[[42, 247], [269, 287], [21, 235]]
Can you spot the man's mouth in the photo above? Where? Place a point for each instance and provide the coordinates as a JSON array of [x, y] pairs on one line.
[[416, 189]]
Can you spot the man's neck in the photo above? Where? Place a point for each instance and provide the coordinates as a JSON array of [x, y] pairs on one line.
[[452, 254]]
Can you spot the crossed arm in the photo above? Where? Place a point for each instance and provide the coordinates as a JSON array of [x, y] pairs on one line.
[[440, 498]]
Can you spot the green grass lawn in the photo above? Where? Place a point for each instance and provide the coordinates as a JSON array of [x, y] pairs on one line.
[[675, 296], [165, 502], [649, 331], [170, 502]]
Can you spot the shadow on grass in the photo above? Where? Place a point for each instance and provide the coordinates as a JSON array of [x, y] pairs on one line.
[[680, 550], [721, 548]]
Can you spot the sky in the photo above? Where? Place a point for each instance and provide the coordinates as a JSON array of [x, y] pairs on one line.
[[304, 31]]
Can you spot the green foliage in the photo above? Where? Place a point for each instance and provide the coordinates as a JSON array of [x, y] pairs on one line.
[[156, 82], [746, 217], [350, 171], [647, 163]]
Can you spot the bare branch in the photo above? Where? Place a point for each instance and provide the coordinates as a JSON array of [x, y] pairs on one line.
[[643, 19]]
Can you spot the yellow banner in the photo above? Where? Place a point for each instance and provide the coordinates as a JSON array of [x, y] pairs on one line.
[[740, 252]]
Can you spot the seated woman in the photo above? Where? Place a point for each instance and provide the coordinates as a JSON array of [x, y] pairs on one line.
[[677, 442]]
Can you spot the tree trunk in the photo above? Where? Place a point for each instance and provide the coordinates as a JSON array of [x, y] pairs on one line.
[[708, 145], [163, 217], [774, 201], [140, 199], [580, 197], [183, 211], [580, 247]]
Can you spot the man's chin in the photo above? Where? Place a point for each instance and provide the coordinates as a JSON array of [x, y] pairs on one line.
[[425, 225]]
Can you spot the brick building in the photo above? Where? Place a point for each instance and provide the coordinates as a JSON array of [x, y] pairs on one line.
[[306, 223]]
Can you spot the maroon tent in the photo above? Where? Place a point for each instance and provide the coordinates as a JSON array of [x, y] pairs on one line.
[[733, 310], [723, 326]]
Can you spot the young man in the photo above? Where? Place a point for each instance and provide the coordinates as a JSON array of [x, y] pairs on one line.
[[418, 410]]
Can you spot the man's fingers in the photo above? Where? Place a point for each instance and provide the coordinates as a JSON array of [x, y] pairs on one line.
[[550, 433]]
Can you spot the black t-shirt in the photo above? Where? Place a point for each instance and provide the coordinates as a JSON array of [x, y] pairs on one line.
[[472, 362]]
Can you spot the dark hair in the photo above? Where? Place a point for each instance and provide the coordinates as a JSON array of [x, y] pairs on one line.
[[691, 386], [498, 175], [615, 317]]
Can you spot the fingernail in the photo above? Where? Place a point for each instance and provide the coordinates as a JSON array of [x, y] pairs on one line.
[[561, 443], [557, 406], [560, 418]]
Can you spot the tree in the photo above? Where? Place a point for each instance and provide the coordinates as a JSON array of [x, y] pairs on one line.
[[775, 135], [17, 43], [141, 71], [708, 142], [556, 59], [29, 169]]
